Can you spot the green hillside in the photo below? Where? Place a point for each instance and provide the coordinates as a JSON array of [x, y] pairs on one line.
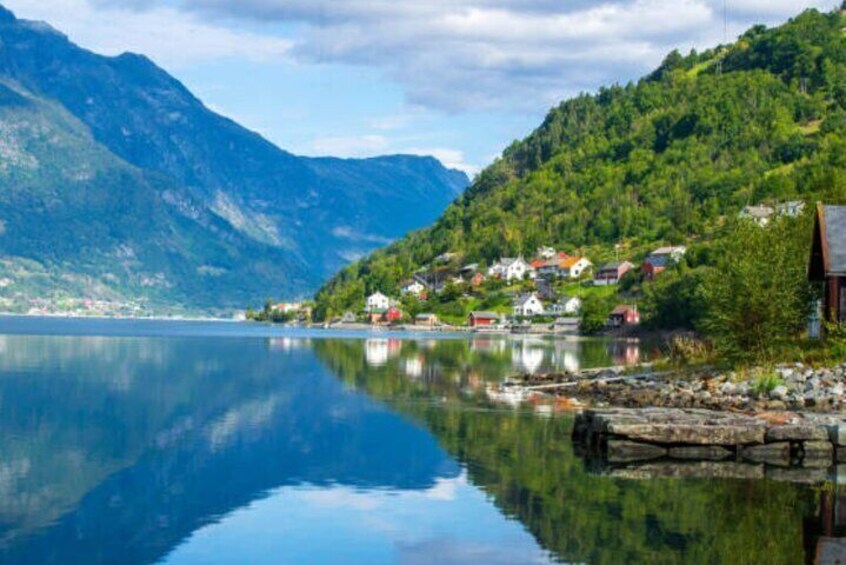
[[670, 159]]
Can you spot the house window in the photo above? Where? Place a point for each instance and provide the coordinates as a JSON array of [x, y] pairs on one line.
[[841, 307]]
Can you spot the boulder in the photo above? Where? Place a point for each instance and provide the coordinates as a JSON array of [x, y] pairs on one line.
[[623, 451], [817, 454], [690, 469], [691, 434], [772, 453], [802, 475], [700, 452], [797, 432], [837, 434]]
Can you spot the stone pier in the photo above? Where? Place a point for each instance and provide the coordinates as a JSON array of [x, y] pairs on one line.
[[668, 442]]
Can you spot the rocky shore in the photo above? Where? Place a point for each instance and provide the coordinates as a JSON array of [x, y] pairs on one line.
[[786, 387]]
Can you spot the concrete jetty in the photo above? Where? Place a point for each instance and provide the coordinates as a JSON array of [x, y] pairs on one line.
[[654, 442]]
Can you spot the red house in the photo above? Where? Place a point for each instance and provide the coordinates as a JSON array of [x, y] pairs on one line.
[[612, 273], [393, 314], [654, 266], [482, 319], [624, 315]]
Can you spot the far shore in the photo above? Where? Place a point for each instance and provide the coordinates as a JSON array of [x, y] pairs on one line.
[[536, 331]]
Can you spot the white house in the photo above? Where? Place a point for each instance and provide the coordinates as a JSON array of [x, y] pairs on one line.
[[568, 305], [377, 301], [546, 252], [574, 267], [676, 252], [528, 305], [414, 287], [511, 269], [791, 209], [760, 214]]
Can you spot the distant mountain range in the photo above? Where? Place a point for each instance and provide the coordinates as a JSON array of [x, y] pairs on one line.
[[118, 185]]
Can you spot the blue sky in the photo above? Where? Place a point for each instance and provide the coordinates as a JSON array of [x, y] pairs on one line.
[[457, 79]]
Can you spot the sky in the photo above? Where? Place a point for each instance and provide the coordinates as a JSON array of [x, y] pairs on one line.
[[456, 79]]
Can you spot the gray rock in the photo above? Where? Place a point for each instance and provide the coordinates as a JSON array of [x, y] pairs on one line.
[[797, 432], [700, 453], [691, 434], [728, 389], [797, 475], [623, 451], [691, 469], [818, 454], [837, 434], [772, 453], [780, 392]]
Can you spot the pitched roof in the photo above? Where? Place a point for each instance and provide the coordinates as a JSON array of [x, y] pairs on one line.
[[623, 309], [538, 263], [569, 262], [670, 250], [834, 238], [523, 299], [759, 212], [615, 266], [485, 315], [657, 260]]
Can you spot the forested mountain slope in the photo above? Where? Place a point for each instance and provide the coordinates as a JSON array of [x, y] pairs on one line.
[[667, 159]]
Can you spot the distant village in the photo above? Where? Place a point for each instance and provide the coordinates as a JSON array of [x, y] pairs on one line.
[[544, 292]]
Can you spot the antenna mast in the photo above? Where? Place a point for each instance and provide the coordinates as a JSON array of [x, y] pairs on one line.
[[725, 38]]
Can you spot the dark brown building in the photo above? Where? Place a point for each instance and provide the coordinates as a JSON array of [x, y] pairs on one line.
[[828, 259]]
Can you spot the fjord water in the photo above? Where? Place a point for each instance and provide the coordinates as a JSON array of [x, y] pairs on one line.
[[138, 442]]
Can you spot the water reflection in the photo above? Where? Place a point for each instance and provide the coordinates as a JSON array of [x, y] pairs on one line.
[[194, 430], [286, 449]]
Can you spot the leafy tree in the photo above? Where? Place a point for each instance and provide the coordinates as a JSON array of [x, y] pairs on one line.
[[593, 315], [676, 300], [758, 294]]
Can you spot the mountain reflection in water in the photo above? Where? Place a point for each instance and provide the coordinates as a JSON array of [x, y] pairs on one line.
[[198, 448]]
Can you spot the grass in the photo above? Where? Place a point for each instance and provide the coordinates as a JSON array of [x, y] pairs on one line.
[[811, 127], [766, 381]]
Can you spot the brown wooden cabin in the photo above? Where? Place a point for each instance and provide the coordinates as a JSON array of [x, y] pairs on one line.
[[828, 259]]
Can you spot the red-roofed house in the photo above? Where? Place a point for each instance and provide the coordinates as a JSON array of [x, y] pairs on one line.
[[481, 319]]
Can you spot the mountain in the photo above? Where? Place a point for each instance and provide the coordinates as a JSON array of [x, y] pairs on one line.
[[670, 159], [116, 183]]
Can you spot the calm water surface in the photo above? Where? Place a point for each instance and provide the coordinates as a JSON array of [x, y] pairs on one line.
[[139, 442]]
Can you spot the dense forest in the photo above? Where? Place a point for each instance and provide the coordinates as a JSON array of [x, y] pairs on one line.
[[669, 159]]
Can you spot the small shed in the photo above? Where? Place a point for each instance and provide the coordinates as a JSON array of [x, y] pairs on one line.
[[429, 320], [481, 319], [828, 259], [624, 315]]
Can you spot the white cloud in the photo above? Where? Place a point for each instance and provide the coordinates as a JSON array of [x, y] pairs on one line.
[[372, 145], [450, 158], [453, 55], [488, 54], [171, 37]]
